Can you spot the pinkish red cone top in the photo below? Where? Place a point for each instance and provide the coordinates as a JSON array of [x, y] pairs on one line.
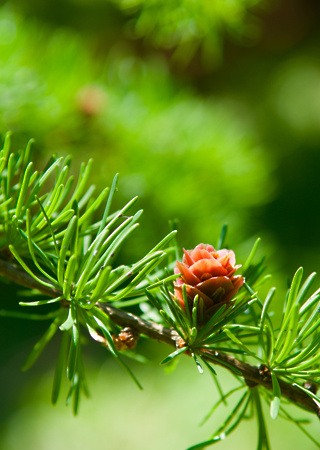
[[208, 273]]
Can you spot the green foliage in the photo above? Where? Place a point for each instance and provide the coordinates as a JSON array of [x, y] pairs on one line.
[[52, 88], [48, 225], [290, 353], [138, 85], [185, 26]]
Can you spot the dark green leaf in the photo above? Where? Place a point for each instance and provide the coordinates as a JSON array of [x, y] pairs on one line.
[[41, 344], [62, 358], [275, 403], [222, 237]]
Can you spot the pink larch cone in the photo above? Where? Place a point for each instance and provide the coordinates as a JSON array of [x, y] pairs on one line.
[[208, 273]]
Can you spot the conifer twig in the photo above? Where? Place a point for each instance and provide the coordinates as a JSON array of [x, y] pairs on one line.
[[253, 375]]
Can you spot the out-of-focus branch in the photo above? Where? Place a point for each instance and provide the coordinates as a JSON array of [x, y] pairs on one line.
[[253, 375]]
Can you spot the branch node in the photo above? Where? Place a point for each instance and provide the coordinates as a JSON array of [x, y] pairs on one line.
[[126, 340], [264, 372]]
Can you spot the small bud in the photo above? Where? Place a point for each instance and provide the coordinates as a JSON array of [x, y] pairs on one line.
[[126, 340]]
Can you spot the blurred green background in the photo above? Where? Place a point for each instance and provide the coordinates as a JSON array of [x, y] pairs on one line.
[[210, 112]]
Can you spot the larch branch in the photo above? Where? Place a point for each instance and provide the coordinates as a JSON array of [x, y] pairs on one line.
[[253, 375]]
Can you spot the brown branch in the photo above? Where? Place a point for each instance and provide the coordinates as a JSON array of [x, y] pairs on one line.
[[253, 375]]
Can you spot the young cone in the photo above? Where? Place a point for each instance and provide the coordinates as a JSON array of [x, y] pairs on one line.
[[208, 273]]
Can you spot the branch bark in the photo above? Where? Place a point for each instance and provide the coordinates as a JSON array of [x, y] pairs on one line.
[[253, 375]]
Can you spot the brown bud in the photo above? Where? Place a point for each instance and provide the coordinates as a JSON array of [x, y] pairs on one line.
[[126, 340]]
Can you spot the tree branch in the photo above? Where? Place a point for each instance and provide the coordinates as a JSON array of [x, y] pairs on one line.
[[253, 375]]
